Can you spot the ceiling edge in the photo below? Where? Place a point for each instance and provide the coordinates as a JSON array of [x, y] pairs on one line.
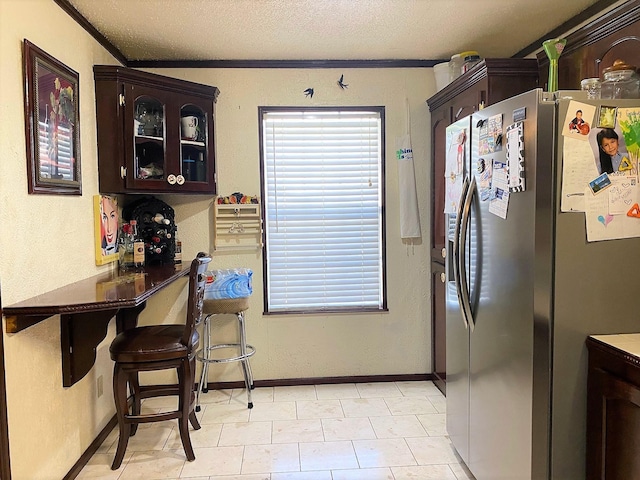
[[84, 23], [399, 63], [570, 24]]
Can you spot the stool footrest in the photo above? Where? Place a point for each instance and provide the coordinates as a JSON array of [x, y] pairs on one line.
[[250, 351], [152, 417]]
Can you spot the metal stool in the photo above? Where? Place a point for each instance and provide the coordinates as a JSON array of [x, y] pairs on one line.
[[235, 306]]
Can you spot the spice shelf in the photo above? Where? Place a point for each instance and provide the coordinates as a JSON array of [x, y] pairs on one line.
[[237, 226]]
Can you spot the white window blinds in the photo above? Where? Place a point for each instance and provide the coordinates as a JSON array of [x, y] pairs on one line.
[[55, 165], [322, 172]]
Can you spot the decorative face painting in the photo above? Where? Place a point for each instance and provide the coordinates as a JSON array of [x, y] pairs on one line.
[[107, 221]]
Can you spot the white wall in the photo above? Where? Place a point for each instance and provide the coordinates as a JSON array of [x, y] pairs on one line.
[[292, 346], [47, 241]]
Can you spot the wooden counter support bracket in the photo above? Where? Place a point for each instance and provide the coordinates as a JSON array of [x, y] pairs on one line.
[[128, 317], [80, 335]]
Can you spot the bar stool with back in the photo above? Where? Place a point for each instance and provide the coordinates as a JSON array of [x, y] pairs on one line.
[[159, 347]]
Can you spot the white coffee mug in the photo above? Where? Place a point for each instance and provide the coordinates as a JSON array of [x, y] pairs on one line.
[[189, 127]]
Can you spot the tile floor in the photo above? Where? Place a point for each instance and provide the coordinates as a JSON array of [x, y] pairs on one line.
[[364, 431]]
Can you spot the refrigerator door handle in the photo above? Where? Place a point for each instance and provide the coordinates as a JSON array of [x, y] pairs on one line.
[[465, 301], [456, 250]]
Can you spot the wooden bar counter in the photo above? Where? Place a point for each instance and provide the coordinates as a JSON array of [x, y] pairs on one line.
[[613, 407], [86, 307]]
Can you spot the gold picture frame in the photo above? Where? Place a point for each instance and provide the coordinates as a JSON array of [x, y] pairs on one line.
[[107, 227], [52, 124]]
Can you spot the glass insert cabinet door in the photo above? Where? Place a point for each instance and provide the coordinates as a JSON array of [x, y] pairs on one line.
[[149, 139], [155, 133], [193, 143]]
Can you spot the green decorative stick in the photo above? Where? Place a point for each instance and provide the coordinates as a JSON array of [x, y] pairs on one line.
[[553, 48]]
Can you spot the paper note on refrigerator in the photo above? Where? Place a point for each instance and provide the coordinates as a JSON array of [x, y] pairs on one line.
[[578, 169], [602, 225], [499, 199], [623, 194], [454, 168], [484, 180]]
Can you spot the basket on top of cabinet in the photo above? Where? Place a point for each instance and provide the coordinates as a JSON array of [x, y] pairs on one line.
[[237, 226]]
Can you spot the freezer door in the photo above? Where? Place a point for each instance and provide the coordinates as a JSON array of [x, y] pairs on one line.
[[502, 274], [457, 334]]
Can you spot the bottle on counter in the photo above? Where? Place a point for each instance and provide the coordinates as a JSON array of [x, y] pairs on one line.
[[138, 245], [125, 248], [131, 251], [178, 253]]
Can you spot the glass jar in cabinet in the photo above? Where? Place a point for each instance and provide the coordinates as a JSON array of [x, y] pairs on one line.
[[620, 81], [155, 133]]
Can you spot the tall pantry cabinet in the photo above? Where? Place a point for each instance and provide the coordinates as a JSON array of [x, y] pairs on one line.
[[490, 81]]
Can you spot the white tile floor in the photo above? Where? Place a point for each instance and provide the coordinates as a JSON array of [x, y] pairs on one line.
[[365, 431]]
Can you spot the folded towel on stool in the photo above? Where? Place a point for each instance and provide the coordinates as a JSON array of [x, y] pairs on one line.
[[231, 283]]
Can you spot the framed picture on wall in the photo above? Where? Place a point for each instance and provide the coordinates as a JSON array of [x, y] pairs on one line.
[[52, 124], [107, 221]]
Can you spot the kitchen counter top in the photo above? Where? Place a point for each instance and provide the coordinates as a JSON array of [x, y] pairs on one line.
[[86, 307], [628, 343]]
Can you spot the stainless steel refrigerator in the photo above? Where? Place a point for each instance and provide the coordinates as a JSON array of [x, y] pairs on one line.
[[523, 293]]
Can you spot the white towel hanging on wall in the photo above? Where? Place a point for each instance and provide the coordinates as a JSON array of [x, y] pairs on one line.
[[409, 214]]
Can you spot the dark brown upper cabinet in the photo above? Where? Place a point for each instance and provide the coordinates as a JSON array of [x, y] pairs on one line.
[[155, 133]]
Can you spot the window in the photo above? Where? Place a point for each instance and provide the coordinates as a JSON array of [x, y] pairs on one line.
[[323, 191]]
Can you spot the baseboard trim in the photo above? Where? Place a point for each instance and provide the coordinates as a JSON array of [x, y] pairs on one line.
[[286, 382], [91, 450]]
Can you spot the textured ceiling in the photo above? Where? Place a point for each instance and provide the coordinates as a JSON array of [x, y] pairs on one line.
[[323, 29]]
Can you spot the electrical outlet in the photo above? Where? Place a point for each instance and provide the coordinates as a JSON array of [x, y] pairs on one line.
[[100, 386]]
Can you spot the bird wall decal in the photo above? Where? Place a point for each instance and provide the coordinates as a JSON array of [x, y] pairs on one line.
[[308, 92], [341, 83]]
